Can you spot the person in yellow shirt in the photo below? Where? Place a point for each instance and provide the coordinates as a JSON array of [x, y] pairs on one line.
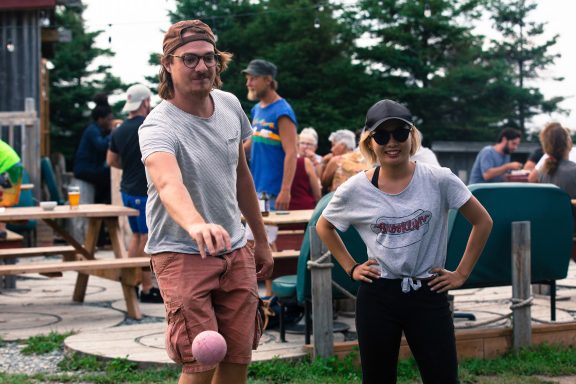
[[10, 179]]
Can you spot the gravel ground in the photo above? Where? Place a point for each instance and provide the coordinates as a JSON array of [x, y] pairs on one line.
[[13, 361]]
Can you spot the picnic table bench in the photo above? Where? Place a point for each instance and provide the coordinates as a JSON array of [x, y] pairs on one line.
[[12, 240], [80, 257], [10, 253]]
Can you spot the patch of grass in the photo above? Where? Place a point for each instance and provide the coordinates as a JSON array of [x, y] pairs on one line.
[[544, 359], [89, 369], [331, 370], [508, 379], [42, 344], [78, 362], [15, 379]]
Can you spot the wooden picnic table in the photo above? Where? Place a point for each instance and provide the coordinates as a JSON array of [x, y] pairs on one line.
[[280, 218], [126, 271]]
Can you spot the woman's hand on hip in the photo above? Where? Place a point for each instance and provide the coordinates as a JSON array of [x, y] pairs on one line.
[[446, 280], [366, 272]]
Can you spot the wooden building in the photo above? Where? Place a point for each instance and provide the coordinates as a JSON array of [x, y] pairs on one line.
[[26, 31]]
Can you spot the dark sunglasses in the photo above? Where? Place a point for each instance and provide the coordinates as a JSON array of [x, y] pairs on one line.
[[382, 137], [191, 60]]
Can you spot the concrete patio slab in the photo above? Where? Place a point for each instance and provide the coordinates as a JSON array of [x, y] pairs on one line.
[[40, 305]]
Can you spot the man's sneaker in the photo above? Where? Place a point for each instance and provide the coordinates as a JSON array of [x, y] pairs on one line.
[[151, 297]]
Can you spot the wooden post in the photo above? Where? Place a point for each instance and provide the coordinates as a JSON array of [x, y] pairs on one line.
[[321, 300], [521, 276], [125, 231]]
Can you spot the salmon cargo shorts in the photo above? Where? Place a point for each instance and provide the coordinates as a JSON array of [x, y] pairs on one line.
[[217, 293]]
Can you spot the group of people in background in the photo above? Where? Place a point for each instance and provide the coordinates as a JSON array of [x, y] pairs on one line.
[[553, 162], [195, 163]]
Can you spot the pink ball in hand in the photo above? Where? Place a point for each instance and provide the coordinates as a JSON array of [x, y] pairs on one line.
[[209, 347]]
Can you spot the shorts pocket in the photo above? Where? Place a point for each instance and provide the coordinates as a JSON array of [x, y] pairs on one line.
[[160, 261], [258, 325], [178, 343]]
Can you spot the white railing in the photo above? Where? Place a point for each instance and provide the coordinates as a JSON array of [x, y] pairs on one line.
[[22, 131]]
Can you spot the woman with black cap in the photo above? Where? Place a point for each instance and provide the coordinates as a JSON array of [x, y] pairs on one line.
[[400, 210]]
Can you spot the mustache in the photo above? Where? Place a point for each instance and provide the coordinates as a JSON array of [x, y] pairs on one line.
[[202, 75]]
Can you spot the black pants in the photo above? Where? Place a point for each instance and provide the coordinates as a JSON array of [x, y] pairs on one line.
[[383, 312]]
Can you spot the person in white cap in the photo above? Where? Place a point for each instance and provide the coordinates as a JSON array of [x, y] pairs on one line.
[[124, 153]]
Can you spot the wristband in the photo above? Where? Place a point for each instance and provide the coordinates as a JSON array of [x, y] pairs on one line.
[[351, 273]]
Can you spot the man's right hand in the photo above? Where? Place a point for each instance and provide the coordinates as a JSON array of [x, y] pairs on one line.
[[515, 165], [210, 236]]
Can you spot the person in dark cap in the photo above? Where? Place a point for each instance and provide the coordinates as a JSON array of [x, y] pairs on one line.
[[400, 210], [274, 144], [199, 183]]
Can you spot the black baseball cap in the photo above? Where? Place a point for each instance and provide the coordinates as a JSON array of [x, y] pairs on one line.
[[385, 110], [261, 67]]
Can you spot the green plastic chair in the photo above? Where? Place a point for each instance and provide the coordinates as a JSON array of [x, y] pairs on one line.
[[49, 178], [299, 287], [549, 210], [27, 229]]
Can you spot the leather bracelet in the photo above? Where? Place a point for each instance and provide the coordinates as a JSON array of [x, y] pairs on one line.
[[351, 273]]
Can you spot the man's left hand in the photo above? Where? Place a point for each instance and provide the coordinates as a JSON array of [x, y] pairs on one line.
[[282, 201]]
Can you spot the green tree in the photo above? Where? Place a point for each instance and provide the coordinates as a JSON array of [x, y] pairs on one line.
[[425, 53], [522, 46], [72, 84], [312, 44]]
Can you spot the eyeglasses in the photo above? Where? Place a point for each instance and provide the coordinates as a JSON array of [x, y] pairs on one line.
[[382, 137], [306, 144], [191, 60]]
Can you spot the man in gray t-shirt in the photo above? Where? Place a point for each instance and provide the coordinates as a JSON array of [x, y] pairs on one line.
[[493, 161], [199, 183]]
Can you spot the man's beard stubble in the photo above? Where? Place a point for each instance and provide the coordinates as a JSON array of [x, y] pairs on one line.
[[254, 95]]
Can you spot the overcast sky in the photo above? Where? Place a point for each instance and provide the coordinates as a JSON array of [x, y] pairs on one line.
[[137, 25]]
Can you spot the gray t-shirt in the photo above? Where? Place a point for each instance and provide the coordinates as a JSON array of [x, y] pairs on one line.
[[487, 158], [405, 232], [564, 177], [207, 153]]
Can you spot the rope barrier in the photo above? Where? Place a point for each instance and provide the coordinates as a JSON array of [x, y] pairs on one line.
[[517, 303], [319, 262], [486, 322]]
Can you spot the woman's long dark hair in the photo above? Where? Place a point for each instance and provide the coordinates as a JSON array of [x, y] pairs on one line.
[[556, 142]]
